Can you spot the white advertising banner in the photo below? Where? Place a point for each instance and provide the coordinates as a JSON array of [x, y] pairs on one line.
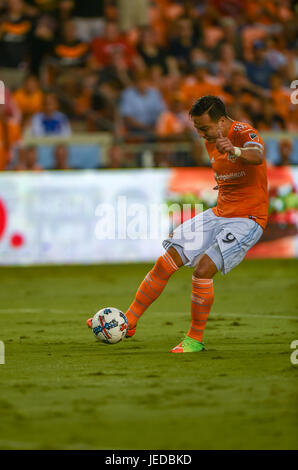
[[82, 216]]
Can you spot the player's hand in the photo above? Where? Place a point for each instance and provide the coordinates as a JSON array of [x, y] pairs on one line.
[[223, 144]]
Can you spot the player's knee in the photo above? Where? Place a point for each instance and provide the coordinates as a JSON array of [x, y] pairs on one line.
[[205, 268], [175, 256]]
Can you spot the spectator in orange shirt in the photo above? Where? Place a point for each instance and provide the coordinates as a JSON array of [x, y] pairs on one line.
[[29, 98], [280, 96], [10, 136], [173, 123], [199, 84]]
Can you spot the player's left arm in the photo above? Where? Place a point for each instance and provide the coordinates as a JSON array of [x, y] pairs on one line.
[[250, 152]]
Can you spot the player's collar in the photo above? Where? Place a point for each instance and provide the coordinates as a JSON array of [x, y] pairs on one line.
[[231, 128]]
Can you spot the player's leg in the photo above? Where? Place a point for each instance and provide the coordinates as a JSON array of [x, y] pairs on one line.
[[237, 236], [184, 245], [152, 286], [202, 296], [201, 303]]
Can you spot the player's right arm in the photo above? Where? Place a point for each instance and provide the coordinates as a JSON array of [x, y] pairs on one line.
[[252, 153]]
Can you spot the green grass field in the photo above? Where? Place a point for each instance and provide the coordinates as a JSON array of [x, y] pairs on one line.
[[61, 389]]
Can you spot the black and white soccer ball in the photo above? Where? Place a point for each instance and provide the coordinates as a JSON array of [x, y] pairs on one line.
[[109, 325]]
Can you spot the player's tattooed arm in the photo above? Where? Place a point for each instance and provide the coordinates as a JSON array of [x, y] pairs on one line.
[[251, 154]]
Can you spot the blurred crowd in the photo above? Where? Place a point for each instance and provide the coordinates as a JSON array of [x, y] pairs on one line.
[[133, 68]]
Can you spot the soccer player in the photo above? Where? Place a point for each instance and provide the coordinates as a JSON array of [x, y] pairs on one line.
[[226, 232]]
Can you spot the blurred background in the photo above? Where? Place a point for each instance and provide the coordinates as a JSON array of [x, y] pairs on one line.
[[106, 85]]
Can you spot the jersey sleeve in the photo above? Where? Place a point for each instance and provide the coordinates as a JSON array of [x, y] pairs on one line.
[[248, 137]]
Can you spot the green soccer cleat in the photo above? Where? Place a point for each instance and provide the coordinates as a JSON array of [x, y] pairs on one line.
[[188, 345]]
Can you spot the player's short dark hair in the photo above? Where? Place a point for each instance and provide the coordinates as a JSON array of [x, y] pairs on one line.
[[210, 104]]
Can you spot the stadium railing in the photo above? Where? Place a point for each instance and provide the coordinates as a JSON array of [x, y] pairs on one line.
[[90, 150], [86, 150]]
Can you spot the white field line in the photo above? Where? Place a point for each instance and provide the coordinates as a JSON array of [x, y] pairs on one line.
[[220, 314]]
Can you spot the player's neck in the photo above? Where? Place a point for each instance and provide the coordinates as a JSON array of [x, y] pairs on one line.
[[227, 125]]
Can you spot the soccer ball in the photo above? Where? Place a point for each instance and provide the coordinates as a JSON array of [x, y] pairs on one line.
[[109, 325]]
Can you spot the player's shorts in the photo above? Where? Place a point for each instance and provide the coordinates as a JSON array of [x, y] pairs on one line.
[[226, 240]]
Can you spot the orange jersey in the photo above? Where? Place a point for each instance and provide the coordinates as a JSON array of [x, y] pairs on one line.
[[242, 186], [29, 103]]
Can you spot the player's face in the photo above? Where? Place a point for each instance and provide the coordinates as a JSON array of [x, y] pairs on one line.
[[206, 128]]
